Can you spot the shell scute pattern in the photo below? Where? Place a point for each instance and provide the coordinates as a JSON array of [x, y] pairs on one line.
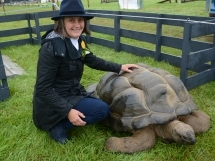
[[145, 96]]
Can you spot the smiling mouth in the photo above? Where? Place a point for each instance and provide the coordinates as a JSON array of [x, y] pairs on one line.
[[75, 29]]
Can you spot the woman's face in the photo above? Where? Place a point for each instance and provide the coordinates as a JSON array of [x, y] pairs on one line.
[[74, 26]]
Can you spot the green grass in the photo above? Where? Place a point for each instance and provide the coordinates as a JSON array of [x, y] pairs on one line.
[[21, 141], [196, 8]]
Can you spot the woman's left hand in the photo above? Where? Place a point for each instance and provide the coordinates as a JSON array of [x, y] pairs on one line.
[[128, 67]]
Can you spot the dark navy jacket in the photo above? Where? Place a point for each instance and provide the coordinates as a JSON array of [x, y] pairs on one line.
[[59, 72]]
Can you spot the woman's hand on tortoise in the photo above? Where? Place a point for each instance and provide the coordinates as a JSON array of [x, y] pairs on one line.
[[128, 67]]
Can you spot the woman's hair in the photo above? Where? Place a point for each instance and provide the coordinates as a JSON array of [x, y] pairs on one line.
[[60, 28]]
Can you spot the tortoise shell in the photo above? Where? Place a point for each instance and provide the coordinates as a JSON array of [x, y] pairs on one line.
[[145, 96]]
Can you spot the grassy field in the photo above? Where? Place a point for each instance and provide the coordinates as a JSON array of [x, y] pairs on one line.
[[196, 8], [21, 141]]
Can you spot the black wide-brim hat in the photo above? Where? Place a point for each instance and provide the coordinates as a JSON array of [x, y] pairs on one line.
[[72, 8]]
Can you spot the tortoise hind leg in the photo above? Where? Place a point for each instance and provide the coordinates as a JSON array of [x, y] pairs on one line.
[[142, 139], [198, 120]]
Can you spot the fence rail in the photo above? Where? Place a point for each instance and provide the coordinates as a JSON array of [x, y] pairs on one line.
[[196, 56]]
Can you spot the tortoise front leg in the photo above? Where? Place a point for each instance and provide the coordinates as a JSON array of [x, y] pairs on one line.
[[142, 139], [198, 120]]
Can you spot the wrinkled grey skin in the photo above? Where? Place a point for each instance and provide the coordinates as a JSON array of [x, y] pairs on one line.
[[149, 102]]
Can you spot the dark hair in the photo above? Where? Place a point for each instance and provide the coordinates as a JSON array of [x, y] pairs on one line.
[[60, 29]]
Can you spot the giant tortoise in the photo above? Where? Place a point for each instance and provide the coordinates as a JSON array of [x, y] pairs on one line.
[[149, 103]]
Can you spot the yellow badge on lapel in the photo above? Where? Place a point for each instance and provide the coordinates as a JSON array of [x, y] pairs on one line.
[[85, 50]]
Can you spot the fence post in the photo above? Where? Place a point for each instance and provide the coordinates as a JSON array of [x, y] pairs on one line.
[[158, 38], [213, 62], [28, 15], [4, 90], [185, 52], [37, 24], [117, 31], [87, 35]]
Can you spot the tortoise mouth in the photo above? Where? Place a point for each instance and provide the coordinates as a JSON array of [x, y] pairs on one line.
[[189, 138], [185, 136]]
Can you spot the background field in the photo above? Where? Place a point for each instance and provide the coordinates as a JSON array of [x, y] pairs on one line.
[[21, 141], [196, 8]]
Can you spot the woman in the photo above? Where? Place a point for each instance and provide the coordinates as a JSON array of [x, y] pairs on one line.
[[60, 102]]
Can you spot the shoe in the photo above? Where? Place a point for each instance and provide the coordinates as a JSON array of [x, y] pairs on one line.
[[59, 134]]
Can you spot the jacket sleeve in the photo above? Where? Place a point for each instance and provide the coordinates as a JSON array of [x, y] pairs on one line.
[[47, 68], [101, 64]]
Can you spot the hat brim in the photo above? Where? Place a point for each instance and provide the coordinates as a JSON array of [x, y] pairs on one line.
[[88, 17]]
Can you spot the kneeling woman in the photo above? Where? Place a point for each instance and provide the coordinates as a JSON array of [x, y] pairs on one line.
[[60, 102]]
